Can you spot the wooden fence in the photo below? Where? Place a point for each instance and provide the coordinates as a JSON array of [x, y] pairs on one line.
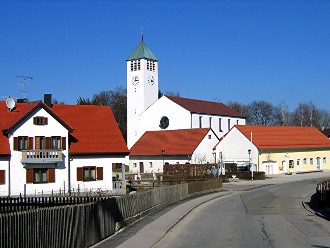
[[323, 194], [21, 203], [82, 225]]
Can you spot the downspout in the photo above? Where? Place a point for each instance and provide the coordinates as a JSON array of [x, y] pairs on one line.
[[69, 174], [9, 174]]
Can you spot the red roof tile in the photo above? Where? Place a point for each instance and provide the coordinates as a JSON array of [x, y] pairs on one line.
[[95, 129], [205, 107], [278, 137], [174, 142]]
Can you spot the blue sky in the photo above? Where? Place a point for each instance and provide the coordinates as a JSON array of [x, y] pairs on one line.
[[212, 50]]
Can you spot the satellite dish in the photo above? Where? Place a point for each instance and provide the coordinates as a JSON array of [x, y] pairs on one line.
[[11, 105]]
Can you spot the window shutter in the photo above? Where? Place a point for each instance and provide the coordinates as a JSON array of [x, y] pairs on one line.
[[48, 143], [80, 174], [51, 175], [2, 177], [16, 143], [30, 145], [99, 173], [63, 143], [37, 145], [29, 176]]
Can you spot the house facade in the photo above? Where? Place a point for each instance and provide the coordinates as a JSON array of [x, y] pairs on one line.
[[47, 148], [277, 149], [156, 148]]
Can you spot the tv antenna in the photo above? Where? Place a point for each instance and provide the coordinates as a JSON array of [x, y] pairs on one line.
[[24, 84]]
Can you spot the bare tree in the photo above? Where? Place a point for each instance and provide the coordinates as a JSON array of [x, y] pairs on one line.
[[261, 113], [306, 115], [117, 100], [282, 115]]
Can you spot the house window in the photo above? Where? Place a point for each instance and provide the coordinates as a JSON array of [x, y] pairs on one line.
[[324, 160], [210, 122], [311, 161], [40, 175], [210, 136], [56, 142], [220, 128], [89, 173], [228, 124], [237, 122], [305, 161], [22, 143], [134, 165], [298, 162], [150, 164], [139, 65], [40, 120], [291, 164], [200, 122], [2, 177]]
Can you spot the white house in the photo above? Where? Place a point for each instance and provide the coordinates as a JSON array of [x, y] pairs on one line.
[[156, 148], [275, 149], [46, 147]]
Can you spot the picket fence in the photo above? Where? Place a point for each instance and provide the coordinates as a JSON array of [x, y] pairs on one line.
[[82, 225]]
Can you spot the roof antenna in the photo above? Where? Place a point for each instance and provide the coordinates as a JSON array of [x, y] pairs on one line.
[[24, 84], [142, 33]]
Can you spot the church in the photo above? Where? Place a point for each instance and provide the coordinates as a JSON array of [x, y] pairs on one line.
[[168, 121]]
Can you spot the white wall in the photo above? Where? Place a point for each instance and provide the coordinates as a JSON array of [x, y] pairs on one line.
[[18, 172], [179, 118], [97, 161], [234, 148], [4, 165], [215, 122]]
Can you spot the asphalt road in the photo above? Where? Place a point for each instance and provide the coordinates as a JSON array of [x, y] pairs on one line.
[[266, 216]]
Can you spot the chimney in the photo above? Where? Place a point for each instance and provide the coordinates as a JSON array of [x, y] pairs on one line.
[[48, 100]]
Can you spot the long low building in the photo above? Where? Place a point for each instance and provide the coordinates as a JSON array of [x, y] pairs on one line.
[[275, 149]]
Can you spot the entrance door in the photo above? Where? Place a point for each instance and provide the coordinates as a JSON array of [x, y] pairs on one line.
[[141, 167], [318, 163]]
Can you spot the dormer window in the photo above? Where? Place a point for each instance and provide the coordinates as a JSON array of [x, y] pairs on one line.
[[40, 120]]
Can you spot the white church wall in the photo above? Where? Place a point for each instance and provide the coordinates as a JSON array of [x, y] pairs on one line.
[[179, 118], [219, 124]]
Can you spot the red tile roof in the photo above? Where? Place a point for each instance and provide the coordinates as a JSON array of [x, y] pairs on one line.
[[95, 129], [277, 137], [205, 107], [174, 142]]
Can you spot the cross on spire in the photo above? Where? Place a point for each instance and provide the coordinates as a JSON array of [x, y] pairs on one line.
[[142, 33]]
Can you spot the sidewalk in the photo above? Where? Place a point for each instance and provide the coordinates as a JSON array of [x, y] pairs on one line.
[[150, 233], [147, 231]]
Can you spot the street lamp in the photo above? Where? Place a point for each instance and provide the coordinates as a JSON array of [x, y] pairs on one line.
[[249, 151], [163, 154]]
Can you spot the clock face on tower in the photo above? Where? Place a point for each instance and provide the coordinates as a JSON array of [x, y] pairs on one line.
[[135, 80], [151, 80]]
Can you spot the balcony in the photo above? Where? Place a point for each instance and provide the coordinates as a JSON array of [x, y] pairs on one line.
[[41, 156]]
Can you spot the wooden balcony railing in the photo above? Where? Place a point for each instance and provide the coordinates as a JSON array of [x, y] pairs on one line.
[[41, 156]]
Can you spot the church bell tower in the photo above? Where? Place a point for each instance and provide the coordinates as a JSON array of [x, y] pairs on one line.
[[142, 87]]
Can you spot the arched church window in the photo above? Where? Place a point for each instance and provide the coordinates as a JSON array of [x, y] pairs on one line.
[[139, 65], [131, 65], [147, 65], [153, 65], [135, 65]]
